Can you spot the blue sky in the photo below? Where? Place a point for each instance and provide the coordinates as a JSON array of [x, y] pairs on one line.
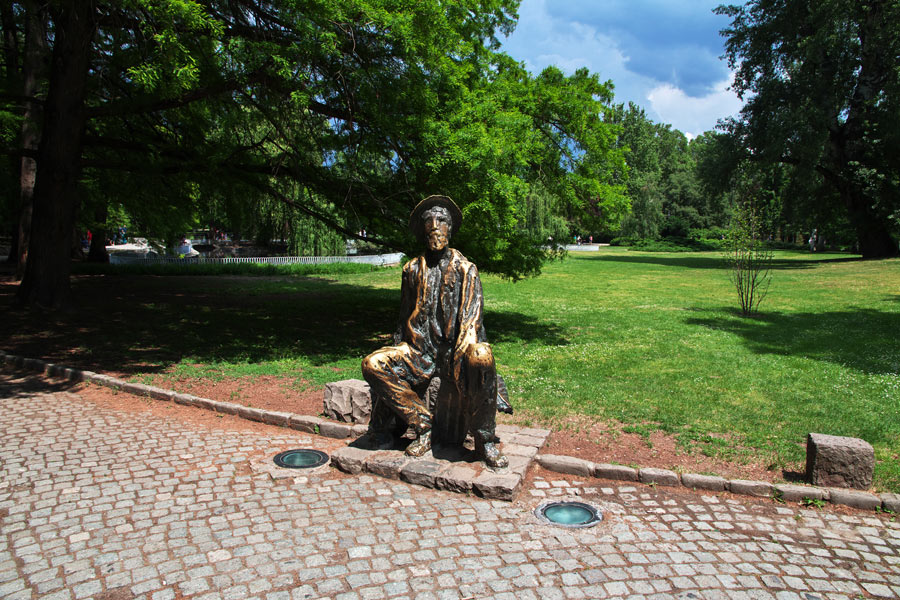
[[663, 55]]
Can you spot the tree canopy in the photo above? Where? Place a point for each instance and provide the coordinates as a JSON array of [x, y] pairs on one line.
[[346, 111], [821, 81]]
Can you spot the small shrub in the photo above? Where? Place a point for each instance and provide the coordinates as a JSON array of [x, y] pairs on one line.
[[750, 258]]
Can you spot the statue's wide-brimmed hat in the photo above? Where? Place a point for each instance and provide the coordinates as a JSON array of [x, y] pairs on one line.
[[417, 226]]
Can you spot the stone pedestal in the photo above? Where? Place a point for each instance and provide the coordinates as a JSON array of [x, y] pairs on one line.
[[834, 461], [348, 401]]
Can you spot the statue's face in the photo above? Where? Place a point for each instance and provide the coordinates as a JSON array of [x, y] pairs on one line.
[[437, 228]]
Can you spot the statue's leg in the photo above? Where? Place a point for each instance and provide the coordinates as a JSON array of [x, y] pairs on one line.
[[392, 374], [481, 388]]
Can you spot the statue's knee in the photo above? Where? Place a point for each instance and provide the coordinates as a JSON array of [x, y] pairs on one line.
[[480, 356], [373, 364]]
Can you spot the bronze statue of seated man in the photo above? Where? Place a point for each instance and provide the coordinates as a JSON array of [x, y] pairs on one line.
[[440, 366]]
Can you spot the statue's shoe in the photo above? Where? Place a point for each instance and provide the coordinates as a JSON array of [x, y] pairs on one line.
[[492, 456], [420, 445]]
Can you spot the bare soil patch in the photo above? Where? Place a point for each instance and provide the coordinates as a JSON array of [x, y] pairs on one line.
[[580, 438]]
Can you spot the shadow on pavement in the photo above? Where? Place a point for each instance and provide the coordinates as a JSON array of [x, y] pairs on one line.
[[21, 384]]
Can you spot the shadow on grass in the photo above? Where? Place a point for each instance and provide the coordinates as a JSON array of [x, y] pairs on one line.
[[715, 262], [508, 326], [140, 324], [862, 339]]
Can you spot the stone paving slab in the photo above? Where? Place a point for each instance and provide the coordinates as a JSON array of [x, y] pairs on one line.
[[108, 505], [451, 469]]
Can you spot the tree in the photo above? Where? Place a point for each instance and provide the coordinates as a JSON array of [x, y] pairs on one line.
[[821, 80], [349, 112]]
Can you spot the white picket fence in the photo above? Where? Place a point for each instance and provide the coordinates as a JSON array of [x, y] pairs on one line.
[[374, 259]]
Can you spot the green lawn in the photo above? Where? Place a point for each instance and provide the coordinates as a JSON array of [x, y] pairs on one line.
[[652, 340], [656, 341]]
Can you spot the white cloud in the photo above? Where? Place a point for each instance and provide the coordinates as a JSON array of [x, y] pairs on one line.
[[693, 116], [674, 93]]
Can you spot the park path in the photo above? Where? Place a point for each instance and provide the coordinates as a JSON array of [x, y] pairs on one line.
[[113, 505]]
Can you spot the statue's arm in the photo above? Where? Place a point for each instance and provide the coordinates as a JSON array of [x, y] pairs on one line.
[[471, 305]]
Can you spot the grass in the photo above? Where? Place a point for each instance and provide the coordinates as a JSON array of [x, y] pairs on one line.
[[653, 341], [657, 342]]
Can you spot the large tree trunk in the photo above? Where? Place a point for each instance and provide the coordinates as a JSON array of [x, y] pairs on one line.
[[875, 240], [46, 280], [30, 133]]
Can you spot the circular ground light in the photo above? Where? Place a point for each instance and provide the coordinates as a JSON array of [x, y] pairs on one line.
[[302, 458], [569, 514]]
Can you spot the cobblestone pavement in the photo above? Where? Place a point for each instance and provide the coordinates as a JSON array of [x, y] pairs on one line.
[[96, 503]]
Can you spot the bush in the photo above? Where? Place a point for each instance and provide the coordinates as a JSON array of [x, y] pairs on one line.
[[677, 244]]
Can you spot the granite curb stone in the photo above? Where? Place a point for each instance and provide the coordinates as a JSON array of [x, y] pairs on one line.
[[890, 502], [796, 493], [854, 498], [565, 464], [614, 472], [306, 423], [335, 430], [703, 482], [659, 476], [747, 487]]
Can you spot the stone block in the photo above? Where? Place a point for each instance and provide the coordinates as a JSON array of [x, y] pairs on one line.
[[890, 502], [519, 450], [836, 461], [205, 403], [855, 499], [33, 364], [518, 464], [348, 401], [387, 464], [305, 423], [421, 472], [226, 408], [350, 460], [158, 393], [185, 399], [138, 389], [335, 430], [703, 482], [565, 464], [796, 493], [615, 472], [659, 476], [497, 486], [746, 487], [456, 478], [274, 417], [252, 414]]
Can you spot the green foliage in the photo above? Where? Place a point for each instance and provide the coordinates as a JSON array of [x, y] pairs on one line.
[[822, 100], [664, 180], [812, 503], [263, 117], [749, 257]]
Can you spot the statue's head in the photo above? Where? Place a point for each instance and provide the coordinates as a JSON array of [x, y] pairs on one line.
[[434, 221]]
